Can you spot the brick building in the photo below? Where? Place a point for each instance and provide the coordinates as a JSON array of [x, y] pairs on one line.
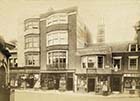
[[56, 48], [61, 33]]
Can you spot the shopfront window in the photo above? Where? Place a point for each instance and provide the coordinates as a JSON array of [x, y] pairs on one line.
[[32, 59], [56, 59], [130, 82], [57, 37]]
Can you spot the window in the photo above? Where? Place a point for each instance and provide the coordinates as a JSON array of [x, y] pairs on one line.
[[88, 61], [133, 47], [32, 59], [84, 62], [56, 59], [100, 62], [133, 63], [56, 19], [117, 62], [31, 25], [91, 62], [31, 42], [57, 37], [13, 62]]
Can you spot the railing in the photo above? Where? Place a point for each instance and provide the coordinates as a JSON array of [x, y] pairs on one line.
[[56, 67]]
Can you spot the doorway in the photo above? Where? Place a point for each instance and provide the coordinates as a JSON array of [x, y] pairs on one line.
[[69, 83], [116, 84], [91, 85]]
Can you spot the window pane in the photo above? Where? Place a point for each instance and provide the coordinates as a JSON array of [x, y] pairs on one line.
[[117, 63], [133, 47], [56, 37], [57, 59], [100, 62], [32, 59], [133, 63]]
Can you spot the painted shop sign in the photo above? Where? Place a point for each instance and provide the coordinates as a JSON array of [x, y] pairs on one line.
[[131, 75]]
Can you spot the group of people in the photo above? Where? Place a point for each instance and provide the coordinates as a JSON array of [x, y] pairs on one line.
[[103, 88]]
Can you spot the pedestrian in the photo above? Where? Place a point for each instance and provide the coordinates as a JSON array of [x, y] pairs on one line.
[[133, 84], [105, 89]]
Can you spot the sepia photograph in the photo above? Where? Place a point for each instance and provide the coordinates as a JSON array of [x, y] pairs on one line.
[[69, 50]]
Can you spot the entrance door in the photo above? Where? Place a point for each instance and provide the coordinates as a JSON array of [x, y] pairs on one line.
[[69, 83], [116, 84], [91, 85], [57, 83]]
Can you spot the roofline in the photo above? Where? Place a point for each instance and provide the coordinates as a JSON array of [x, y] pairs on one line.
[[66, 10]]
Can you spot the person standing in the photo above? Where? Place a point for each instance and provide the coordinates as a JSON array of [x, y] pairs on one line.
[[133, 84], [105, 89]]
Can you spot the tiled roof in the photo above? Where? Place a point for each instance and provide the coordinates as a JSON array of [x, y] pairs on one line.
[[105, 48], [120, 46], [94, 49]]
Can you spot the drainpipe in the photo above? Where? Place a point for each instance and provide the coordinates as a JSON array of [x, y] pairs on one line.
[[8, 72]]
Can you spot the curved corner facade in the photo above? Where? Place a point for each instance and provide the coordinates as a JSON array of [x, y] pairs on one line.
[[31, 41], [58, 46]]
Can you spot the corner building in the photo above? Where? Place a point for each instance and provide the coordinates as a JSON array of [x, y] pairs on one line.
[[61, 33]]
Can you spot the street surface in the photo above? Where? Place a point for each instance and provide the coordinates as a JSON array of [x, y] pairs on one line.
[[26, 95]]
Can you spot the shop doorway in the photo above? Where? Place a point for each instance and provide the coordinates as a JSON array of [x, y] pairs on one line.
[[91, 85], [56, 83], [69, 83], [116, 84]]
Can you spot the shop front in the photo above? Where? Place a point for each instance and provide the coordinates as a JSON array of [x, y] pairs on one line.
[[82, 83], [57, 81], [131, 82], [101, 80], [23, 80]]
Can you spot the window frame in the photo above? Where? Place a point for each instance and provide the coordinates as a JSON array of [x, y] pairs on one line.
[[57, 19], [31, 25], [102, 63], [57, 54], [32, 57], [133, 57], [120, 58], [30, 42], [130, 48], [55, 38]]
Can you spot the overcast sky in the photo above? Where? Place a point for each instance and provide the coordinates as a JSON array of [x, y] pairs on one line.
[[119, 16]]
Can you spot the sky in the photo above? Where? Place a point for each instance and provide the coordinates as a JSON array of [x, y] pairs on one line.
[[119, 16]]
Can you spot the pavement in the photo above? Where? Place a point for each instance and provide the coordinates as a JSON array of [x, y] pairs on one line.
[[54, 95], [73, 93]]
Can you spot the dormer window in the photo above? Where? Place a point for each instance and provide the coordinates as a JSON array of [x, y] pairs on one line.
[[133, 47]]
